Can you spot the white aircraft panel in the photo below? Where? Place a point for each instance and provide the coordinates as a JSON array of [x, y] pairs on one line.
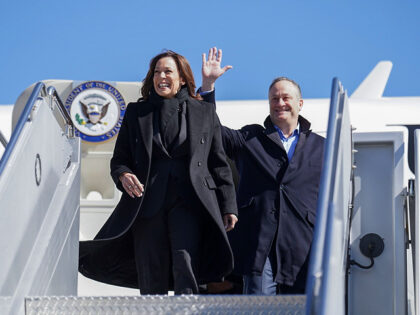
[[378, 208]]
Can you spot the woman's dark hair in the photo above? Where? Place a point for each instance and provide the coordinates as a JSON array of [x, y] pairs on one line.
[[184, 70]]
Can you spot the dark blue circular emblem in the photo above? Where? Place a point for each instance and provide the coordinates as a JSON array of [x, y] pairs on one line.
[[97, 110]]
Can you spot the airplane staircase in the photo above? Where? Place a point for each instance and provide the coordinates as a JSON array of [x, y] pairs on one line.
[[39, 204], [39, 218], [339, 128]]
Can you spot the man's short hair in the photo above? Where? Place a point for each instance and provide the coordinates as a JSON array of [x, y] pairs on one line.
[[278, 79]]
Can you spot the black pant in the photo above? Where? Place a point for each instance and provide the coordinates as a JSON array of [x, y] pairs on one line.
[[167, 246]]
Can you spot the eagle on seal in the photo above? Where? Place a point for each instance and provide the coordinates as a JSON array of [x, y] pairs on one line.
[[94, 111]]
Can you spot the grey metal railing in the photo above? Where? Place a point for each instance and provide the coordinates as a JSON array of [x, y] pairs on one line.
[[52, 92], [333, 202], [38, 91], [3, 140]]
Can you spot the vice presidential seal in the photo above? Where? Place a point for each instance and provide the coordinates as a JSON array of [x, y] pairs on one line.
[[97, 110]]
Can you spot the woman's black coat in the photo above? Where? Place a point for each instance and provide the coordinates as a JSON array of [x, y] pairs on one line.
[[109, 257]]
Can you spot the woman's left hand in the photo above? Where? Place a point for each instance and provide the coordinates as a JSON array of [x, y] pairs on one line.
[[211, 69], [229, 221]]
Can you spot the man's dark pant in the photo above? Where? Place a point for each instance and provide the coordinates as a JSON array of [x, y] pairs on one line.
[[264, 284]]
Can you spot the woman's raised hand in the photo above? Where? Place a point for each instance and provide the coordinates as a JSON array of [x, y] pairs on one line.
[[211, 69], [131, 185]]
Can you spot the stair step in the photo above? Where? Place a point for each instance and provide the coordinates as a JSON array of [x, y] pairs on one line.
[[163, 304]]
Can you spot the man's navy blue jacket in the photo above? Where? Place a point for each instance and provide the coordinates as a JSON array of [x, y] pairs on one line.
[[276, 198]]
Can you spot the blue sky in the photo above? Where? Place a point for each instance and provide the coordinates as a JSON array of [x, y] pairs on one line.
[[309, 41]]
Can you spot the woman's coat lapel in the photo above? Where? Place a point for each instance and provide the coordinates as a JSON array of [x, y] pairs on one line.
[[195, 123]]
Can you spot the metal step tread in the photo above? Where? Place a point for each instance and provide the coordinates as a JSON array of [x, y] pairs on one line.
[[163, 304]]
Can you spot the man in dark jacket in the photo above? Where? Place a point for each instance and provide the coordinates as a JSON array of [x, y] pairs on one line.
[[279, 166]]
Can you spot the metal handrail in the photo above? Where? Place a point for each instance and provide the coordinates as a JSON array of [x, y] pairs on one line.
[[52, 92], [24, 117], [3, 139], [39, 90], [315, 271]]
